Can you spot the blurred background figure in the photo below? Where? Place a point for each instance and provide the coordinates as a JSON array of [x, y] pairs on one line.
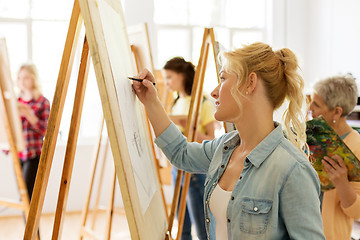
[[179, 77]]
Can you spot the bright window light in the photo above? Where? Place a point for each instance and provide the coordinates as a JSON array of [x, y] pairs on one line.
[[235, 22], [17, 44], [171, 43], [14, 9]]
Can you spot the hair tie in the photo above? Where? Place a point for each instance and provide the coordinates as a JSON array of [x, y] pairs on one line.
[[282, 57]]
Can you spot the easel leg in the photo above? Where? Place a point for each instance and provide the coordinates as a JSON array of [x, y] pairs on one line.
[[85, 211], [54, 124], [175, 201], [182, 207], [21, 183], [191, 130], [110, 209], [86, 232], [72, 141], [97, 201], [24, 196]]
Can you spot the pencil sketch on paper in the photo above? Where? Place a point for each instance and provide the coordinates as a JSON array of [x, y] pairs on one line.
[[137, 142], [134, 128]]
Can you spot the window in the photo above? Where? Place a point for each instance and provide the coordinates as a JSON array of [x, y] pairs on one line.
[[180, 26], [35, 30]]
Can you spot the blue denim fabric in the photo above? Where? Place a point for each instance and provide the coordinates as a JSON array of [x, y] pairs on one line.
[[276, 196], [194, 213]]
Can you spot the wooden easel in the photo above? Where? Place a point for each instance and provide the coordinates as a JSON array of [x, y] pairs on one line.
[[191, 125], [53, 129], [24, 202], [9, 128], [89, 231], [139, 53]]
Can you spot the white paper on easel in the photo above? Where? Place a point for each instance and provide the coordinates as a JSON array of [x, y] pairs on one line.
[[129, 106]]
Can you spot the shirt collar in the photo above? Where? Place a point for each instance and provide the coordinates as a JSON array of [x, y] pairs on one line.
[[263, 149], [233, 142]]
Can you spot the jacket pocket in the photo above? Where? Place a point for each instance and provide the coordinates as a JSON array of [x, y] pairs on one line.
[[255, 215]]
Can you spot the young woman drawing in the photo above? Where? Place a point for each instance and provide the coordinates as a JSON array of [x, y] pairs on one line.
[[259, 185]]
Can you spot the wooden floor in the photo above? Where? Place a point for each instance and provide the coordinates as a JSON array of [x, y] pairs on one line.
[[12, 228]]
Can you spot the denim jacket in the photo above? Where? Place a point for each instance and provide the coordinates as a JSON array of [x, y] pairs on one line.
[[276, 195]]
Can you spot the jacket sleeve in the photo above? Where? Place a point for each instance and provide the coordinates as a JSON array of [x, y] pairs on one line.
[[300, 204], [191, 157]]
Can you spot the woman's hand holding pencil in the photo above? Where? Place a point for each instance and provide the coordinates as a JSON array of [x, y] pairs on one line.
[[139, 80], [147, 94], [144, 87]]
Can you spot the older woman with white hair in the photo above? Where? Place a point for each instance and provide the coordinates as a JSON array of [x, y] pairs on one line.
[[334, 98]]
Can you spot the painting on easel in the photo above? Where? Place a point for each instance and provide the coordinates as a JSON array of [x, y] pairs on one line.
[[125, 120], [8, 103]]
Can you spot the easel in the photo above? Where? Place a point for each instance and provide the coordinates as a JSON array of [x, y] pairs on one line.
[[138, 37], [190, 130], [89, 232], [5, 113], [53, 129], [24, 205]]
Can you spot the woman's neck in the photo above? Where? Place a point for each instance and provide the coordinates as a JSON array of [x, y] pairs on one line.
[[254, 130], [341, 127], [182, 93], [27, 95]]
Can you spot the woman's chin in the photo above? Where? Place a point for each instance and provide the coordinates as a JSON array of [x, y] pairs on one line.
[[218, 116]]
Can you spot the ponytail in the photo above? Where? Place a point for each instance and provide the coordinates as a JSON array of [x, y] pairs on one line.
[[293, 117]]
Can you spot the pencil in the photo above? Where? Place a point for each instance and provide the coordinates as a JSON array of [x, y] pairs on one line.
[[139, 80]]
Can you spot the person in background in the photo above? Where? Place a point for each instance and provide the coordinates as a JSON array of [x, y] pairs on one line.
[[34, 110], [334, 98], [179, 77], [259, 184]]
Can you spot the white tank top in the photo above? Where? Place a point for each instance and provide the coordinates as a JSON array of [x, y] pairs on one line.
[[218, 208]]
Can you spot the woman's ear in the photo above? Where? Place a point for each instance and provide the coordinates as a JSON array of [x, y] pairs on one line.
[[337, 113], [253, 79]]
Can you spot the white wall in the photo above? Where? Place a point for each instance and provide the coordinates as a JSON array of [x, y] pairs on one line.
[[140, 11], [323, 33]]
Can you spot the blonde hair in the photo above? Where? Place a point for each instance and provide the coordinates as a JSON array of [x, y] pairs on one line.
[[338, 91], [278, 72], [31, 68]]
